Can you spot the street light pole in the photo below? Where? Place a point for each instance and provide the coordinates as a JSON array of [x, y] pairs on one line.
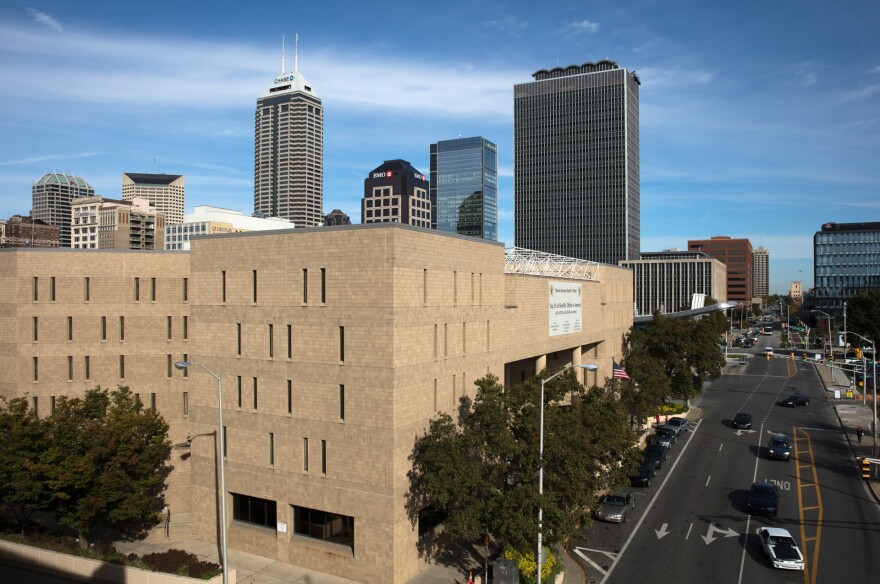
[[183, 365], [828, 320], [588, 367], [865, 377]]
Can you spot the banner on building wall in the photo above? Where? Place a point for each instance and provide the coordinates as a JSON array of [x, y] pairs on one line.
[[566, 312]]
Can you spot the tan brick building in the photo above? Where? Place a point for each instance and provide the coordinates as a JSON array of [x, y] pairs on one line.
[[335, 346]]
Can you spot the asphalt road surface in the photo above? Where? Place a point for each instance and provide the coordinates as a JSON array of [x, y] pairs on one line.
[[692, 524]]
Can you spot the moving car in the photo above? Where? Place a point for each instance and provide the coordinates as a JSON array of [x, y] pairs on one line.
[[763, 499], [643, 474], [768, 351], [743, 421], [656, 453], [615, 507], [780, 547], [679, 424], [795, 400], [779, 447]]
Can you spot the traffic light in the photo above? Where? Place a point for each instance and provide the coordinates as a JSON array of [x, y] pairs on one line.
[[804, 357], [792, 355], [866, 468], [858, 353]]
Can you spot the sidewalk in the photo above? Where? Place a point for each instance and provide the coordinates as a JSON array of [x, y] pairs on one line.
[[852, 413]]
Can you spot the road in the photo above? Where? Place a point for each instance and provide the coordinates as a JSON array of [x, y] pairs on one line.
[[692, 525]]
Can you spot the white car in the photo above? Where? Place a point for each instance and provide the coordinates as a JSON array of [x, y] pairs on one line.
[[768, 351], [780, 547]]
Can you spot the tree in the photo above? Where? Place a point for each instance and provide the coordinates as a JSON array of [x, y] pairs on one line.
[[106, 462], [863, 314], [482, 472], [22, 474], [687, 350]]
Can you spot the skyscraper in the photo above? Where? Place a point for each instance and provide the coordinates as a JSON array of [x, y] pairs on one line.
[[165, 191], [576, 162], [844, 263], [51, 201], [464, 187], [396, 192], [289, 151], [760, 272], [736, 254]]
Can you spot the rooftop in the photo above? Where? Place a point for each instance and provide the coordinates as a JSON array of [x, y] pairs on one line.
[[63, 179], [140, 178]]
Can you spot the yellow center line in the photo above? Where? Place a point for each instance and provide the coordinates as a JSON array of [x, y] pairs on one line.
[[811, 559]]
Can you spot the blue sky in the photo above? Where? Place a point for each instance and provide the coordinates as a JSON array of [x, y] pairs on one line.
[[758, 119]]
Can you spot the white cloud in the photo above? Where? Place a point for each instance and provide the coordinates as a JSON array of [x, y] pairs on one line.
[[45, 19], [677, 76], [510, 25], [160, 72], [581, 27], [49, 157], [863, 93]]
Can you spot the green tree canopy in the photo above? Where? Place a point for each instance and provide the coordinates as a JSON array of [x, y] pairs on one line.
[[863, 315], [107, 461], [482, 473]]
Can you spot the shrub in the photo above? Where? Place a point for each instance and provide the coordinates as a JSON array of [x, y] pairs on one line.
[[179, 562], [528, 566]]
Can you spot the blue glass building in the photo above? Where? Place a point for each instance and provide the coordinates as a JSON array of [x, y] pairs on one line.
[[846, 261], [464, 187]]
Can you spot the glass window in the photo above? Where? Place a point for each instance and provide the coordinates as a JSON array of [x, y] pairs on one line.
[[254, 510]]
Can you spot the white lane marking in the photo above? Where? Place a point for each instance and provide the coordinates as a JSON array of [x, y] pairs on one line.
[[591, 562], [689, 531], [662, 532], [696, 426], [708, 479], [742, 562], [710, 537], [611, 555], [720, 447]]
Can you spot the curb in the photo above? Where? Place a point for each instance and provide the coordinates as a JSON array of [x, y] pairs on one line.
[[572, 562], [852, 448]]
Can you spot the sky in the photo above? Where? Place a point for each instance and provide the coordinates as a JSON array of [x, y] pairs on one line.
[[757, 119]]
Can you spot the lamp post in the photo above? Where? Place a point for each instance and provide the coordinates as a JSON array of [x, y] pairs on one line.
[[588, 367], [184, 365], [865, 377], [828, 319]]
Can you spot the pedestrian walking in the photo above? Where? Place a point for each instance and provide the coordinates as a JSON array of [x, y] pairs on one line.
[[859, 434], [657, 419]]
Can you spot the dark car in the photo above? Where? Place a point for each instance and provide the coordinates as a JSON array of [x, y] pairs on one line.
[[779, 447], [643, 474], [763, 499], [795, 400], [665, 436], [743, 421], [656, 453]]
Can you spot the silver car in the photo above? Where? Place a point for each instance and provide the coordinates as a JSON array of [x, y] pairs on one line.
[[680, 424], [615, 507], [781, 549]]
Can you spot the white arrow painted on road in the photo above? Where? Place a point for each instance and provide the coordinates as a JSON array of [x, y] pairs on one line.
[[661, 533], [709, 537], [741, 432]]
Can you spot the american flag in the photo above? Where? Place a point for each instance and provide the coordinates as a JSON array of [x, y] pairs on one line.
[[619, 372]]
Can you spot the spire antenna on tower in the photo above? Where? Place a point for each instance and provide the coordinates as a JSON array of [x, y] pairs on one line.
[[296, 54], [282, 54]]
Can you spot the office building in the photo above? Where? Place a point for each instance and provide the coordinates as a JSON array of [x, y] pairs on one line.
[[336, 217], [846, 260], [18, 231], [335, 348], [665, 281], [165, 191], [207, 220], [396, 192], [464, 187], [760, 272], [736, 254], [576, 162], [796, 291], [52, 195], [100, 223], [289, 151]]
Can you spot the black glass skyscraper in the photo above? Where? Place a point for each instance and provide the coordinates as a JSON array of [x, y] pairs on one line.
[[464, 187], [576, 162]]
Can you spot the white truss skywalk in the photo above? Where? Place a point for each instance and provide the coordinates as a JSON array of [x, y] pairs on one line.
[[518, 260]]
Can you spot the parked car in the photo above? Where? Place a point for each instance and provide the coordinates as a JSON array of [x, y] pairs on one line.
[[615, 507], [779, 447], [742, 421], [781, 548], [763, 499], [795, 400], [665, 436], [748, 344], [656, 453], [643, 474], [679, 424]]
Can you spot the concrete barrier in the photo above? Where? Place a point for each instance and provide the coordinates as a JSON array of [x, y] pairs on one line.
[[92, 570]]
